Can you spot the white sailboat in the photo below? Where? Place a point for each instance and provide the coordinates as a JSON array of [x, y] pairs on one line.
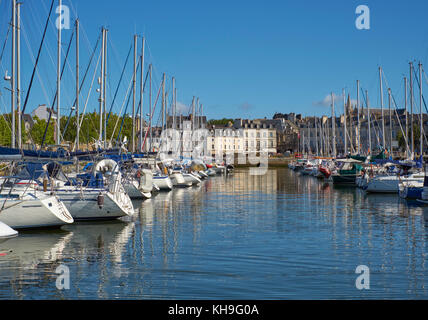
[[163, 182], [139, 184], [97, 195], [178, 180], [24, 210]]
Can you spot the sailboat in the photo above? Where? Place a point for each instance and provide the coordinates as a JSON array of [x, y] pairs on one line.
[[97, 194], [23, 207], [349, 170]]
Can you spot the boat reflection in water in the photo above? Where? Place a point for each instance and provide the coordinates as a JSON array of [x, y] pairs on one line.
[[30, 261], [275, 236]]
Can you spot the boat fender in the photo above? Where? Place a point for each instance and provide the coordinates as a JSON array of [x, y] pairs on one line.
[[100, 200]]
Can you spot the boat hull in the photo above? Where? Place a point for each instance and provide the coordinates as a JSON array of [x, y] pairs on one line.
[[345, 180], [163, 182], [36, 213], [85, 206]]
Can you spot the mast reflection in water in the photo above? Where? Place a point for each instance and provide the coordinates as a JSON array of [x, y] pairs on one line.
[[276, 236]]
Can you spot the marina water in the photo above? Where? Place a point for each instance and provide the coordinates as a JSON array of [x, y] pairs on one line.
[[275, 236]]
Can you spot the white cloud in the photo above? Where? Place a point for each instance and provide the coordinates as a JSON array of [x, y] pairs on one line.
[[338, 100], [245, 106], [182, 108]]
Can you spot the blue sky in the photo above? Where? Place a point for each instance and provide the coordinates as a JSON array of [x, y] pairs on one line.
[[242, 58]]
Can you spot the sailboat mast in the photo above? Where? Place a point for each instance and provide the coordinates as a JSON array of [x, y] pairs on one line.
[[163, 101], [316, 137], [422, 119], [196, 113], [309, 138], [58, 81], [333, 125], [134, 91], [141, 95], [175, 107], [105, 91], [13, 78], [77, 86], [358, 117], [101, 83], [344, 120], [150, 105], [18, 72], [381, 107], [368, 121], [173, 102], [390, 121], [412, 146], [407, 120], [193, 113]]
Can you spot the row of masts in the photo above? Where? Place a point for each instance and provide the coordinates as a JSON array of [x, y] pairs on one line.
[[102, 81], [322, 140]]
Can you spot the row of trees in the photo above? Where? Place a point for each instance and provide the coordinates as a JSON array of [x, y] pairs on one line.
[[89, 130]]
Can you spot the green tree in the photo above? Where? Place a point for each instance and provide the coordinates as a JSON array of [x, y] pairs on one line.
[[416, 138]]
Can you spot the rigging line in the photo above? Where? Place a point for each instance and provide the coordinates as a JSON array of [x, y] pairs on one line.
[[37, 59], [144, 87], [5, 41], [399, 122], [118, 84], [123, 104], [369, 116], [88, 43], [87, 99], [423, 100], [396, 113], [56, 95], [123, 120], [417, 81], [27, 43], [151, 117], [426, 78], [81, 84], [88, 67], [49, 53]]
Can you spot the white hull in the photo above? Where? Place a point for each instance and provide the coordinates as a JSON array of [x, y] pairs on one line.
[[131, 188], [390, 184], [190, 178], [84, 205], [178, 180], [210, 172], [203, 174], [163, 182], [43, 212]]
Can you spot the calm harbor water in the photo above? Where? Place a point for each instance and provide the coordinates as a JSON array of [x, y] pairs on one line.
[[276, 236]]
